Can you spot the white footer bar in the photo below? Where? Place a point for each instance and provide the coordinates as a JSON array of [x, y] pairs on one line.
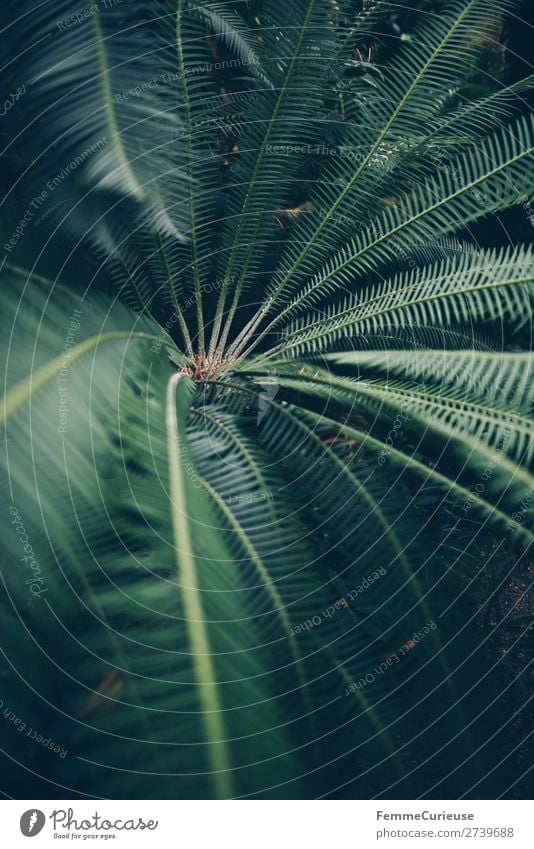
[[269, 825]]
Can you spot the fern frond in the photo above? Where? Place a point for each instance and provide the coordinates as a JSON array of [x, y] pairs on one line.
[[471, 288]]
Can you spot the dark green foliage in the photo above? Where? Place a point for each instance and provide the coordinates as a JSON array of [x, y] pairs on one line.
[[268, 406]]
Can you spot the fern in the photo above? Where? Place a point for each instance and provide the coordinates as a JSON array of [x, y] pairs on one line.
[[267, 402]]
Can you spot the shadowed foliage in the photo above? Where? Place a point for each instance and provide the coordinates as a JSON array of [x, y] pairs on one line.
[[267, 409]]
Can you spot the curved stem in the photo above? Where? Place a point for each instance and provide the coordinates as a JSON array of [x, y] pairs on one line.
[[193, 611]]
